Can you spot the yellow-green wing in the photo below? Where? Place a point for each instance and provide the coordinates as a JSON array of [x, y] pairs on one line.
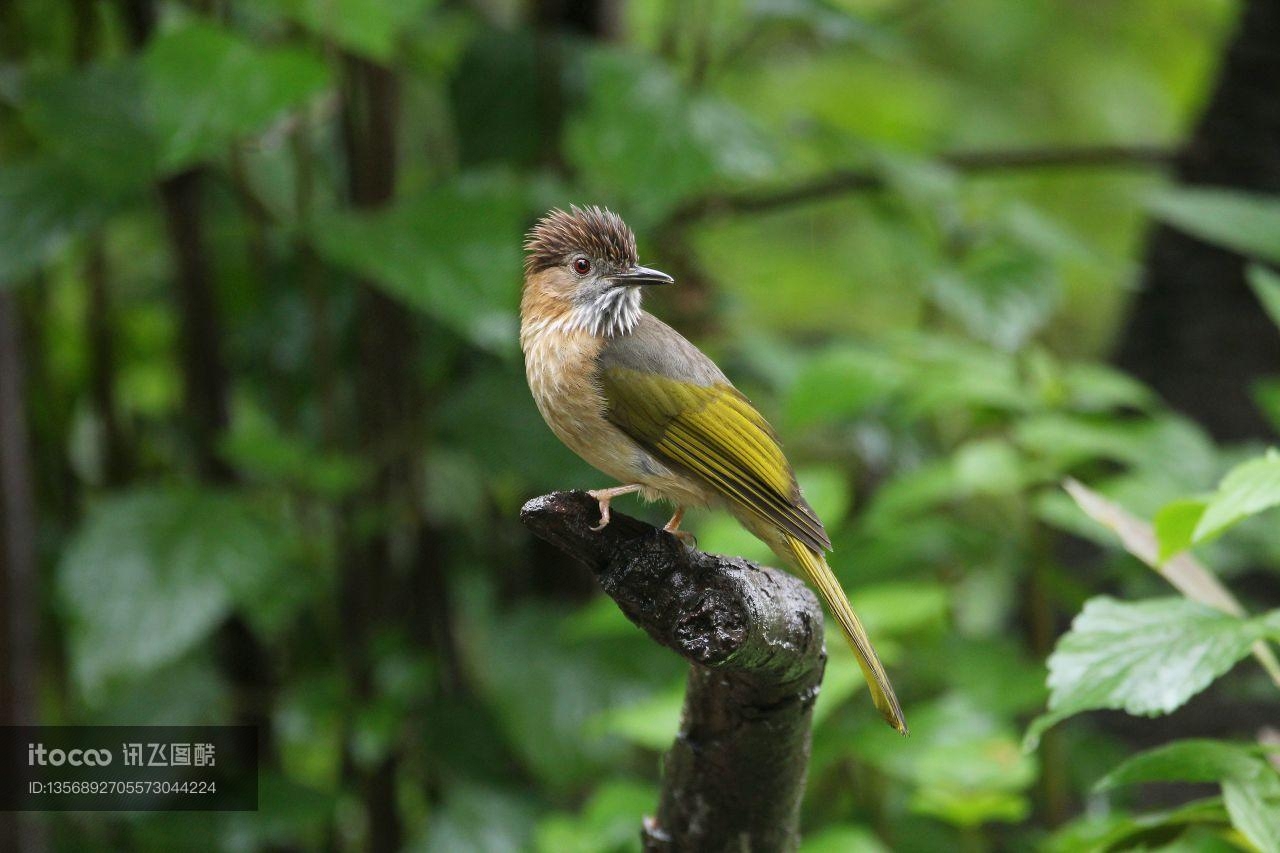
[[714, 433]]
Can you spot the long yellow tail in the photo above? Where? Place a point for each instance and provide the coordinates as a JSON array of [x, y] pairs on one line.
[[819, 574]]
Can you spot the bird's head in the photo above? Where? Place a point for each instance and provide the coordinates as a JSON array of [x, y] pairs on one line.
[[581, 266]]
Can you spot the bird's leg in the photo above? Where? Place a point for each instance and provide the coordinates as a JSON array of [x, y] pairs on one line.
[[605, 496], [673, 527]]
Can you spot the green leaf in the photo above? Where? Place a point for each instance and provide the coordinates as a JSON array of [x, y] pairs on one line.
[[494, 94], [827, 490], [1266, 286], [370, 28], [1186, 761], [262, 452], [843, 384], [1247, 490], [1175, 525], [963, 760], [1001, 293], [843, 839], [903, 607], [842, 678], [1254, 806], [1266, 396], [94, 122], [1139, 538], [1122, 831], [545, 690], [452, 253], [1100, 388], [479, 819], [826, 23], [989, 467], [1250, 785], [638, 122], [607, 824], [42, 206], [652, 722], [1248, 224], [206, 87], [1145, 659], [952, 375], [1069, 440], [1184, 572], [151, 573]]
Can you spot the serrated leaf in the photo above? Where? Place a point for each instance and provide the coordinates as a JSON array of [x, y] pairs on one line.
[[1266, 286], [1198, 760], [1246, 490], [1244, 222], [1146, 659], [1184, 572], [151, 573], [206, 87]]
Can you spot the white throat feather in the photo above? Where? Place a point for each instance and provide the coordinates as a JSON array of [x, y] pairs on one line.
[[615, 311]]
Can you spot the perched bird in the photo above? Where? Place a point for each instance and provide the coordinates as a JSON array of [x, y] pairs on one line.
[[640, 403]]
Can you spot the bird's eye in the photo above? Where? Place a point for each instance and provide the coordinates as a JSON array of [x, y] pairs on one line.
[[581, 266]]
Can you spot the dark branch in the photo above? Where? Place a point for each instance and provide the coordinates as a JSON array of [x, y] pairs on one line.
[[844, 181], [734, 778]]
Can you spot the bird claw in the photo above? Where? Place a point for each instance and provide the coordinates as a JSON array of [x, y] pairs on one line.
[[604, 516], [684, 536], [673, 527]]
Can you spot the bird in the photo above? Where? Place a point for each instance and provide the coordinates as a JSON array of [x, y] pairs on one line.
[[644, 406]]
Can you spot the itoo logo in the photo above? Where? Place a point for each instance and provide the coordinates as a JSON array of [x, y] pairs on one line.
[[37, 754]]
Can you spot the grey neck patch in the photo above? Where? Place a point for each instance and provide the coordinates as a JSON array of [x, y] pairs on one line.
[[615, 311]]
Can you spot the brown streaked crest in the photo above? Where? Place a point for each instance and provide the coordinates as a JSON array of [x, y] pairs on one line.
[[597, 231]]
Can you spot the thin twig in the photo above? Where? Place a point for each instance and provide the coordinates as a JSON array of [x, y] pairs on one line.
[[845, 181]]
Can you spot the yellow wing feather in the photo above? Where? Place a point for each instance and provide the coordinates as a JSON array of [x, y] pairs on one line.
[[715, 434]]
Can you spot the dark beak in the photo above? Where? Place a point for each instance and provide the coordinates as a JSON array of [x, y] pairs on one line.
[[641, 275]]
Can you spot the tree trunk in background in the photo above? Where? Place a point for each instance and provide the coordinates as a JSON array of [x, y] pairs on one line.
[[205, 376], [19, 579], [594, 20], [19, 569], [1196, 332], [206, 385], [388, 402]]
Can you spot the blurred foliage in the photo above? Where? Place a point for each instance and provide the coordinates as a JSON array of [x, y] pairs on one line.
[[932, 349]]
